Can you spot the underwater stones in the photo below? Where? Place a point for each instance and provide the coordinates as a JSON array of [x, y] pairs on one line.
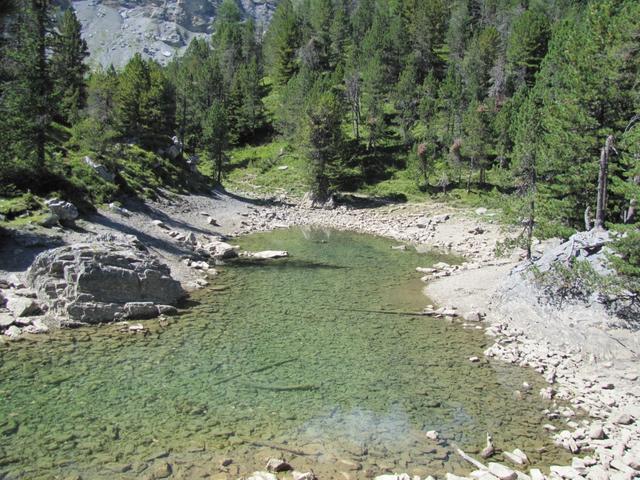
[[517, 457], [269, 254], [502, 472], [164, 470], [432, 435], [102, 281], [277, 465], [140, 310]]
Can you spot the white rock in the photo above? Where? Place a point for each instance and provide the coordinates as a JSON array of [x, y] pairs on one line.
[[13, 332], [22, 306], [474, 359], [269, 254], [160, 224], [277, 465], [536, 474], [502, 472], [432, 435], [596, 432], [565, 472]]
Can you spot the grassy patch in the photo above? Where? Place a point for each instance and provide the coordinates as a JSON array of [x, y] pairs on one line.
[[261, 168]]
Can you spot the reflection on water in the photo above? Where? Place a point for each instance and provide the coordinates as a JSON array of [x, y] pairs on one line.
[[291, 360]]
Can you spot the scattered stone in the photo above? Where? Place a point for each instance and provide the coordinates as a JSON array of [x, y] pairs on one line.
[[517, 457], [65, 211], [426, 270], [481, 211], [277, 465], [262, 476], [226, 462], [101, 170], [119, 210], [474, 359], [623, 419], [536, 474], [6, 320], [22, 306], [13, 332], [596, 432], [160, 224], [401, 248], [213, 222], [304, 476], [401, 476], [565, 472], [432, 435], [36, 327], [49, 221], [502, 472]]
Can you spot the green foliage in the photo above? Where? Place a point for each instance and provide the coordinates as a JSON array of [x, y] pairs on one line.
[[626, 261], [68, 67], [323, 140]]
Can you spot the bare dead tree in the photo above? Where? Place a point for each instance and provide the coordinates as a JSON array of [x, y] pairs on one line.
[[601, 209]]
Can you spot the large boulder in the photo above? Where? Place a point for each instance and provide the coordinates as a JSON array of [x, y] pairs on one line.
[[103, 281], [65, 211]]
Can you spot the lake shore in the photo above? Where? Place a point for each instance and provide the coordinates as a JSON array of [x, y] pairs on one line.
[[600, 378]]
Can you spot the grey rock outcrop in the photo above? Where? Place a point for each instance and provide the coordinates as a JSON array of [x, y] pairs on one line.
[[65, 211], [100, 170], [108, 280], [117, 29]]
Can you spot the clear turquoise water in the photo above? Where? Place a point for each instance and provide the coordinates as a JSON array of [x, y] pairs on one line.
[[289, 359]]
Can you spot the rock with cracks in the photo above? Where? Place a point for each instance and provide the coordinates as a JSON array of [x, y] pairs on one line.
[[103, 281]]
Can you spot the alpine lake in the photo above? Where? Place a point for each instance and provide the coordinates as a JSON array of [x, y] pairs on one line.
[[314, 358]]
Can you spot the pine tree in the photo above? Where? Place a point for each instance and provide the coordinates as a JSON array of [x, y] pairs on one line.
[[26, 97], [282, 42], [528, 44], [134, 82], [323, 138], [68, 67], [215, 136]]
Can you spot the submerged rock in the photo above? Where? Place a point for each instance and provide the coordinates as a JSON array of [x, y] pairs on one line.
[[278, 465], [269, 254], [102, 281]]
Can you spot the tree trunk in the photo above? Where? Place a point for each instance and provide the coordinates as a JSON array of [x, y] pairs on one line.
[[40, 7], [601, 208], [530, 223]]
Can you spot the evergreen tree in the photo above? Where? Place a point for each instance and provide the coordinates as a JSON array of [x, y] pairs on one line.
[[215, 136], [528, 45], [282, 42], [26, 99], [68, 67], [323, 138]]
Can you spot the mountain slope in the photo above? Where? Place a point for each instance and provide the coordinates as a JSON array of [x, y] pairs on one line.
[[117, 29]]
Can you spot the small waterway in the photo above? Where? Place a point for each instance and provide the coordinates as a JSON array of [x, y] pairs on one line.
[[293, 358]]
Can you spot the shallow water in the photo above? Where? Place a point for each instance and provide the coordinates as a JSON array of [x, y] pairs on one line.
[[292, 359]]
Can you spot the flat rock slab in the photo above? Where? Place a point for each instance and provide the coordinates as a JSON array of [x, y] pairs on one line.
[[269, 254], [502, 472]]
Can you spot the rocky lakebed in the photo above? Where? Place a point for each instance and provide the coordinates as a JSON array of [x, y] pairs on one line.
[[224, 337]]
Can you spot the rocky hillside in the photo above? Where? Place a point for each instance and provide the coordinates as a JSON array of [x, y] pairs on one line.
[[116, 29]]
